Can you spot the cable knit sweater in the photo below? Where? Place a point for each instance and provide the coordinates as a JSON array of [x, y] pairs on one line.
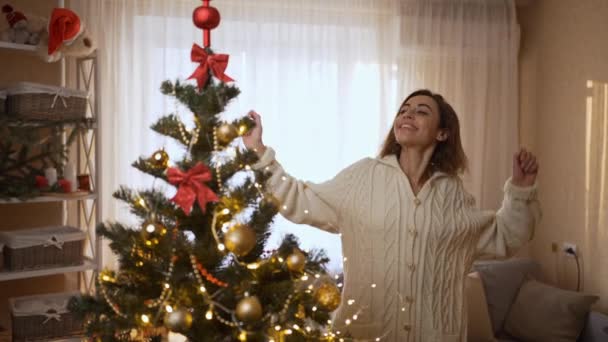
[[406, 255]]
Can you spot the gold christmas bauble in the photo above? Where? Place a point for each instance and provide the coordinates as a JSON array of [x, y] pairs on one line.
[[249, 309], [226, 133], [159, 159], [152, 232], [179, 320], [328, 296], [240, 240], [296, 261]]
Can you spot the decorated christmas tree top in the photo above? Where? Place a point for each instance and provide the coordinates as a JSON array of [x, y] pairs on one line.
[[196, 264]]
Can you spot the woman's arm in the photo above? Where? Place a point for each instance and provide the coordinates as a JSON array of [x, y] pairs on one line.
[[513, 224], [318, 205]]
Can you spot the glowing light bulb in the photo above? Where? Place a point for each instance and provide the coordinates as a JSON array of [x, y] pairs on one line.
[[150, 228]]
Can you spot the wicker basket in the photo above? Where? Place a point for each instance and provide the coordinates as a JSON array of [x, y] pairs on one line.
[[44, 317], [43, 247], [2, 102], [43, 102]]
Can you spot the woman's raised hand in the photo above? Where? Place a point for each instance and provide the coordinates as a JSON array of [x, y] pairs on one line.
[[525, 168], [253, 138]]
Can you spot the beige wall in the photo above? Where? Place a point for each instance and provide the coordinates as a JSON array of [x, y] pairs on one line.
[[19, 66], [564, 45]]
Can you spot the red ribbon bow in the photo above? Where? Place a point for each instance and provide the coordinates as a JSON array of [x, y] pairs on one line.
[[217, 63], [191, 187]]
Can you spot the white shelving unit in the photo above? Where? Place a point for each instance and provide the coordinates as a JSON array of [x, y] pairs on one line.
[[22, 47], [88, 265], [87, 161], [50, 198], [88, 152]]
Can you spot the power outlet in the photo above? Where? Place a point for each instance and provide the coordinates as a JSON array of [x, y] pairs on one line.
[[568, 245]]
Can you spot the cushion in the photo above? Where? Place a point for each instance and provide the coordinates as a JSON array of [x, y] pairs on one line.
[[545, 313], [501, 281], [479, 326], [596, 328]]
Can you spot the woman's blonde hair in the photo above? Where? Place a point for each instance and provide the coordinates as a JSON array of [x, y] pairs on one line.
[[448, 156]]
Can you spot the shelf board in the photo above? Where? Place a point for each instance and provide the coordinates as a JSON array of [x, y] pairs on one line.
[[50, 198], [12, 275], [14, 121], [14, 46]]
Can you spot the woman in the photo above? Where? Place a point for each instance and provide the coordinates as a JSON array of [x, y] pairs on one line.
[[409, 230]]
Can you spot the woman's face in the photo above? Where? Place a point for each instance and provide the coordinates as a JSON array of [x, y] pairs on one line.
[[417, 123]]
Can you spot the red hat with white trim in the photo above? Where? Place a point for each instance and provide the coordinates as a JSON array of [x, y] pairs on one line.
[[13, 17], [64, 28]]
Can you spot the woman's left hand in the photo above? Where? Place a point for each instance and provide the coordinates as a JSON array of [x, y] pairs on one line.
[[525, 168]]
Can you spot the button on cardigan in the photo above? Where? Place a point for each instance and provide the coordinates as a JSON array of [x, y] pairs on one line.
[[415, 249]]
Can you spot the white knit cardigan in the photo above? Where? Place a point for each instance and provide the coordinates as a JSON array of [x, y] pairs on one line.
[[406, 256]]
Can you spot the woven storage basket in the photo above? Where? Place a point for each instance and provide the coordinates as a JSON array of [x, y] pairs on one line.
[[2, 102], [43, 247], [43, 102], [44, 317]]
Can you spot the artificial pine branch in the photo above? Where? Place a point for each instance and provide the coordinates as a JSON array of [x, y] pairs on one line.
[[173, 127]]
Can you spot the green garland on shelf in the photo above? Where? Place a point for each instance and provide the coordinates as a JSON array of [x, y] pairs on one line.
[[28, 147]]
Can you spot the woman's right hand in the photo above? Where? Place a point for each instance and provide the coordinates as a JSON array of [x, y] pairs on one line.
[[253, 138]]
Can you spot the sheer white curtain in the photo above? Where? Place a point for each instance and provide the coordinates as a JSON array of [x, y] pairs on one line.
[[467, 51], [326, 75], [320, 73]]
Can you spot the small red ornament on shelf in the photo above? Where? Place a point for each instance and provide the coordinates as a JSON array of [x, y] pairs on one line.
[[65, 185], [41, 182]]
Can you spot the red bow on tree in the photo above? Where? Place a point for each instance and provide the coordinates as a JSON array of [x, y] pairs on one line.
[[217, 64], [191, 187]]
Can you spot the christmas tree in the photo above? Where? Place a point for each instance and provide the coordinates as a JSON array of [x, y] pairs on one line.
[[196, 264]]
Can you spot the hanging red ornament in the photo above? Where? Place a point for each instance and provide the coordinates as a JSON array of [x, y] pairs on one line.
[[206, 18]]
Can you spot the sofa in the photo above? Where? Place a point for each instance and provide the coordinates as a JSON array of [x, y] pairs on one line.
[[506, 302]]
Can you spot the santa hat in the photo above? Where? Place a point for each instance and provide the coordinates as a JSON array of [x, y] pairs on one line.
[[13, 17], [64, 28]]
